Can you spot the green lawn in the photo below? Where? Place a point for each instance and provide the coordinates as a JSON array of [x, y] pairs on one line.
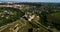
[[57, 15], [54, 17]]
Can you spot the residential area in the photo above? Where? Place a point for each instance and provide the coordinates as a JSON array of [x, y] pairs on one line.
[[29, 17]]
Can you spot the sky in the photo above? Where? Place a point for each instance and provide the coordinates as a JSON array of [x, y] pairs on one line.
[[54, 1]]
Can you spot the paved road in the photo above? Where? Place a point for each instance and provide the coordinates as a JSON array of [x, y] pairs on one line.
[[47, 28]]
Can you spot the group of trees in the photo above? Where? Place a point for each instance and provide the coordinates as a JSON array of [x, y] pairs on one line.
[[8, 15]]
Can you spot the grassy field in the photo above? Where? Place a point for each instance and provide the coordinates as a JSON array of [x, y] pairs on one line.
[[54, 17]]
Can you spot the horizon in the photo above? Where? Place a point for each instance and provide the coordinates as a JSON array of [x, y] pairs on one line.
[[46, 1]]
